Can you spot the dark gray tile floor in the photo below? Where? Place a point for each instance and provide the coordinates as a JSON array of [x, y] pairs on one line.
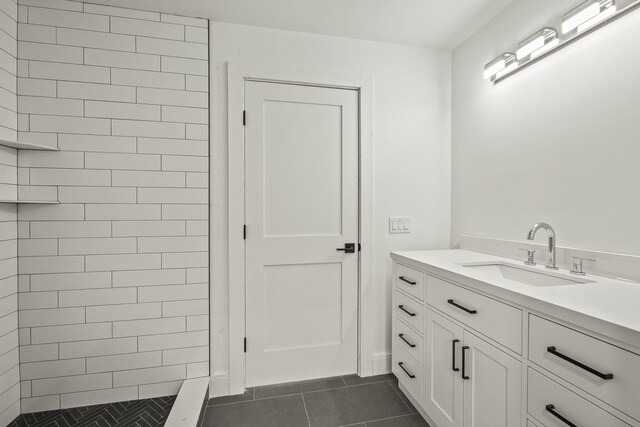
[[329, 402]]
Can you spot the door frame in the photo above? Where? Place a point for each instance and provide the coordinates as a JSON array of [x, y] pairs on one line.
[[237, 75]]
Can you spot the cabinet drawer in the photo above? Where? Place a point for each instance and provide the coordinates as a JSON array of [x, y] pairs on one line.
[[408, 340], [544, 392], [410, 280], [550, 344], [497, 320], [409, 373], [410, 311]]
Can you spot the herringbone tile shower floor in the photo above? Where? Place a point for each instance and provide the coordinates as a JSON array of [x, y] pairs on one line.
[[135, 413]]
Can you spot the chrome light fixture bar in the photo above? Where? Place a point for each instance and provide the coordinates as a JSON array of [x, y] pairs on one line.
[[587, 17]]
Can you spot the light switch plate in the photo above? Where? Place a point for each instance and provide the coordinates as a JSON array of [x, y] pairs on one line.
[[399, 225]]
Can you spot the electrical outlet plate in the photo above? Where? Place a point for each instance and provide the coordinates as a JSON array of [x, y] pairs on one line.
[[399, 225]]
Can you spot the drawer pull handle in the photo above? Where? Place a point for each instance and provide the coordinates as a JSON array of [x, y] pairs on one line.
[[464, 363], [453, 303], [401, 307], [409, 374], [405, 340], [555, 352], [551, 410], [409, 281], [453, 359]]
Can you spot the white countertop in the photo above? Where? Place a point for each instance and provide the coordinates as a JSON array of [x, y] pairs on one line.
[[607, 306]]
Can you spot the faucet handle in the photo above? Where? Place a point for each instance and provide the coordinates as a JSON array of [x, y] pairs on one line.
[[530, 256], [577, 265]]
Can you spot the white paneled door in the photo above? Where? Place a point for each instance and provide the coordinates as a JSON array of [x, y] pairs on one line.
[[301, 163]]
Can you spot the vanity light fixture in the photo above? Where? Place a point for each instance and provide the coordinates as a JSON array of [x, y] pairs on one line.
[[587, 15], [499, 65], [539, 40]]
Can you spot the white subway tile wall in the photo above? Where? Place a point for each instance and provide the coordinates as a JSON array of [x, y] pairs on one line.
[[113, 281], [9, 352]]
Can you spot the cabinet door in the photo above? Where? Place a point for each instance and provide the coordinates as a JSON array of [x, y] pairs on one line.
[[493, 390], [444, 389]]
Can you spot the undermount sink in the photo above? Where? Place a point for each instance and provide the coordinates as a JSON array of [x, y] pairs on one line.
[[524, 275]]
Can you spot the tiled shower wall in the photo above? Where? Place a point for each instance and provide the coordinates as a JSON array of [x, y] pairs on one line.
[[113, 281], [9, 371]]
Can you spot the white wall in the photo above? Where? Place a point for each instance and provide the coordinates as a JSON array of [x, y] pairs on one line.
[[9, 369], [557, 142], [411, 138], [113, 285]]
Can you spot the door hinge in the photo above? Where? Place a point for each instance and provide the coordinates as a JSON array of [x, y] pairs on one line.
[[244, 232], [244, 118], [359, 247], [245, 344]]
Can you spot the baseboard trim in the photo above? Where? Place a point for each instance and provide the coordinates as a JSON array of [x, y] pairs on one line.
[[381, 363], [219, 385]]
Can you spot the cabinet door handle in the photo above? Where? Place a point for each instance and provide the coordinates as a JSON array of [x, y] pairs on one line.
[[453, 359], [551, 410], [409, 374], [409, 281], [405, 340], [606, 377], [464, 363], [401, 307], [453, 303]]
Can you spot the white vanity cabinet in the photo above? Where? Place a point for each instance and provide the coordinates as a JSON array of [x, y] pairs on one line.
[[501, 322], [458, 378], [601, 369], [467, 358], [556, 406], [469, 382]]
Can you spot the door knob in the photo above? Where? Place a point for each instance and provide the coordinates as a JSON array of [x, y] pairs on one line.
[[349, 248]]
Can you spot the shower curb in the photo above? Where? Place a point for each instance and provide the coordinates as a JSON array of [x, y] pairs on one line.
[[190, 404]]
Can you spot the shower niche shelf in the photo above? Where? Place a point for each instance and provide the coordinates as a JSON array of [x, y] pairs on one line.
[[26, 145], [31, 202]]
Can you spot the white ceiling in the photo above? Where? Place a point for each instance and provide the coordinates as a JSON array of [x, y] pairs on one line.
[[430, 23]]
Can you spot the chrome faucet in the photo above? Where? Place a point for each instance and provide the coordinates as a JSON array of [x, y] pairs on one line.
[[551, 264]]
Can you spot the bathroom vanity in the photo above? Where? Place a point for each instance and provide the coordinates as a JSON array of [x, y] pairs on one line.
[[485, 341]]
